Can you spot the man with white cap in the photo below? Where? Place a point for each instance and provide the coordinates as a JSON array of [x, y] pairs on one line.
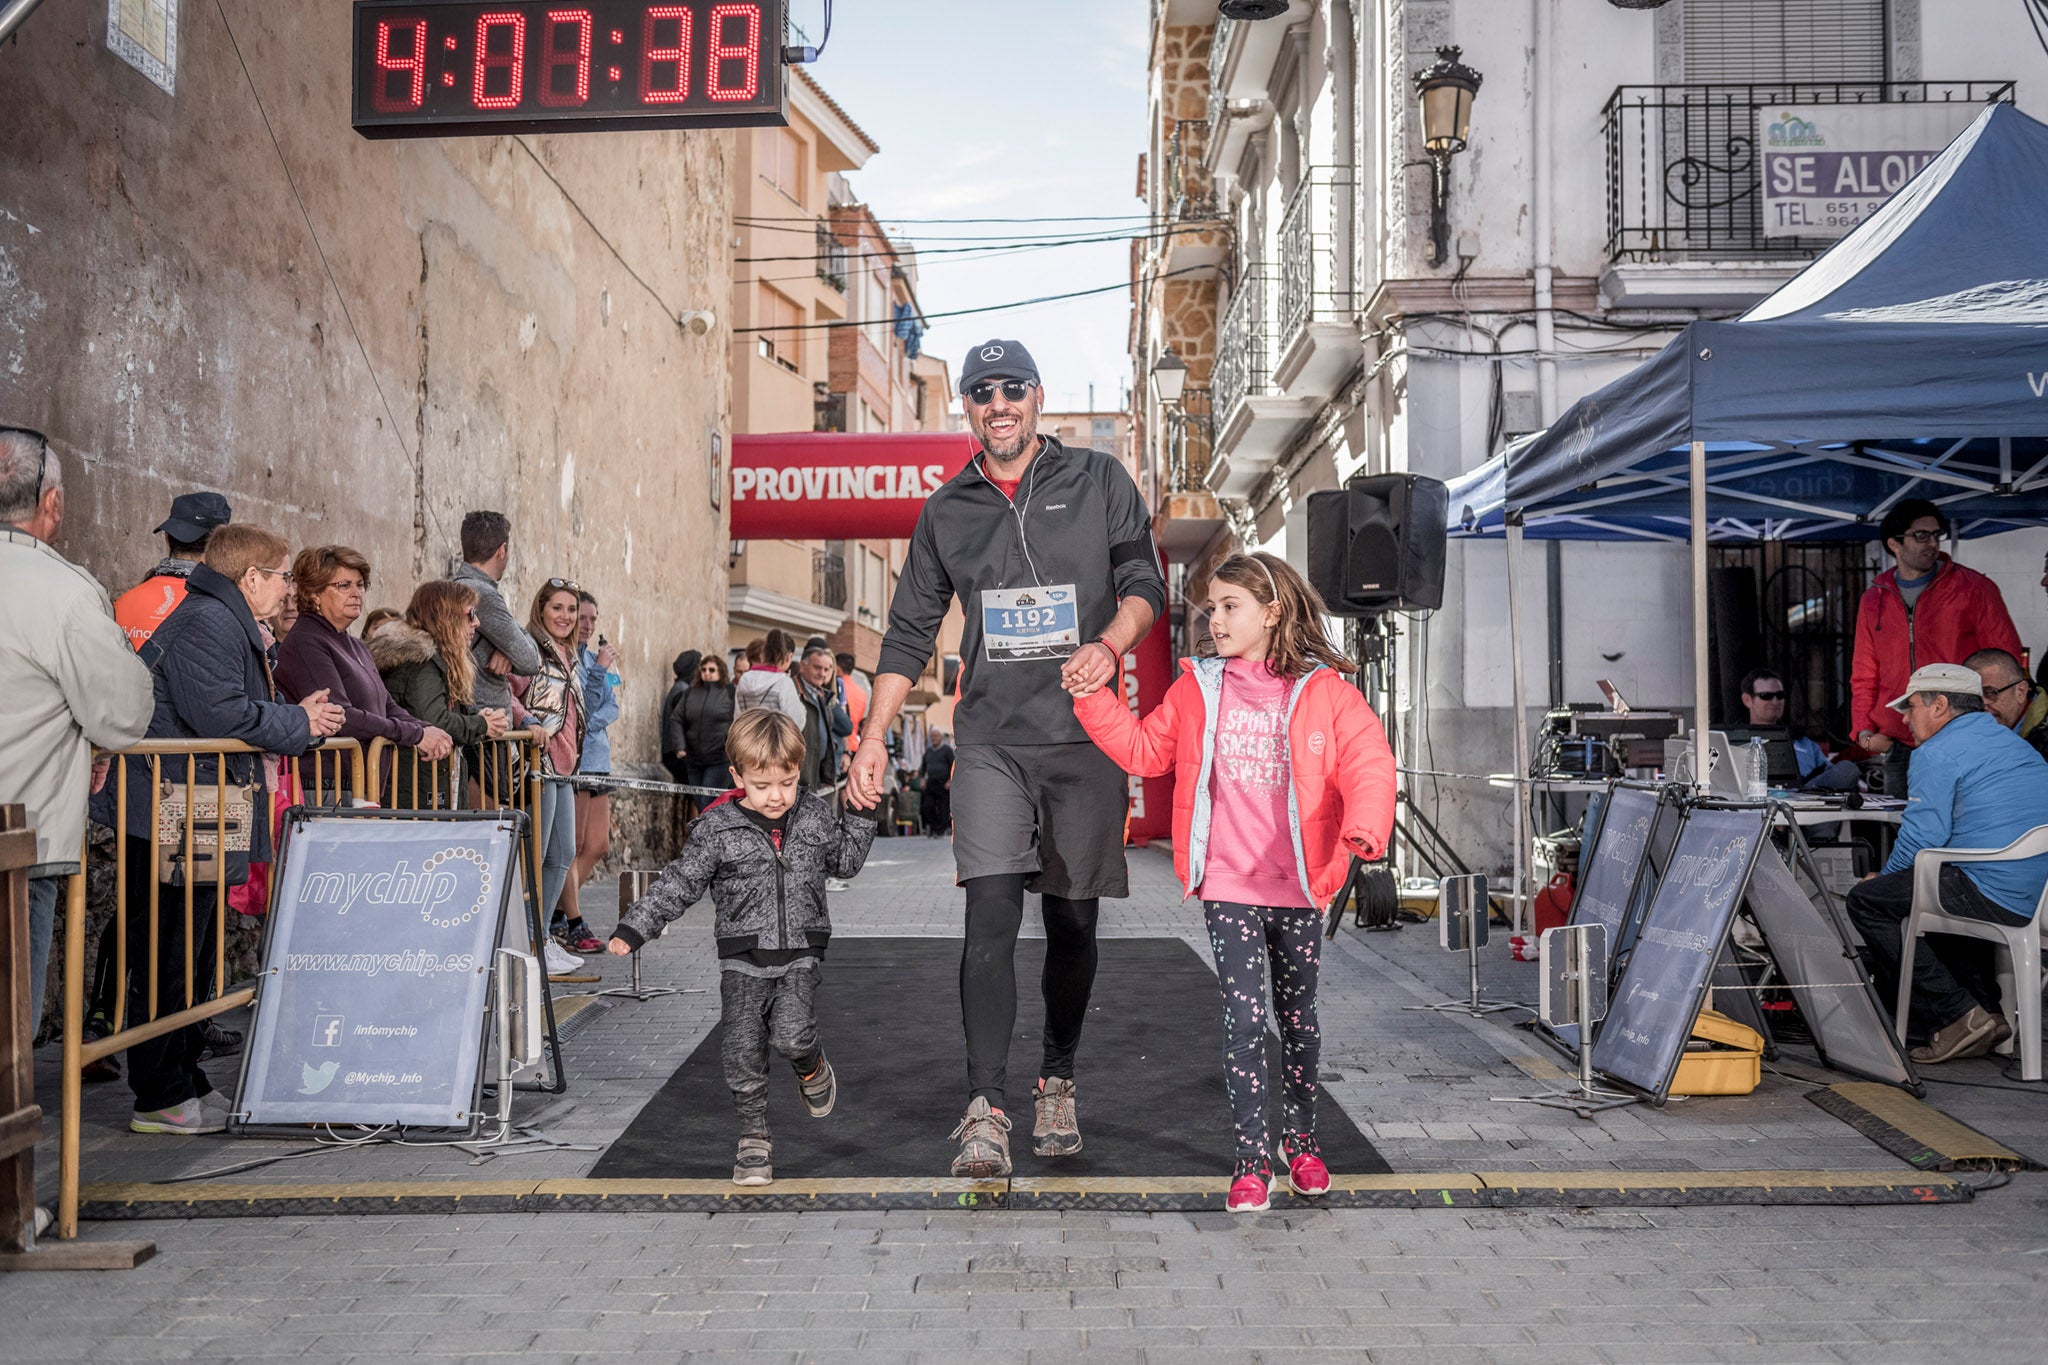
[[1973, 784]]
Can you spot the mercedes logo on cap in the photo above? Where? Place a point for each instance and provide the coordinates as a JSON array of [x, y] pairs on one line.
[[991, 353]]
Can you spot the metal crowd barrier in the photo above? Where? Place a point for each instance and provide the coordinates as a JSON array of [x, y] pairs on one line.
[[210, 831], [506, 776]]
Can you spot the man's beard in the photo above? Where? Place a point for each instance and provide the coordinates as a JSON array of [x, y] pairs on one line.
[[1004, 451]]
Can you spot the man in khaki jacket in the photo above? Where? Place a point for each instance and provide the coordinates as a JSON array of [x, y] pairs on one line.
[[69, 679]]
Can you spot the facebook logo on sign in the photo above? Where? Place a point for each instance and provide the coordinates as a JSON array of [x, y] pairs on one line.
[[327, 1030]]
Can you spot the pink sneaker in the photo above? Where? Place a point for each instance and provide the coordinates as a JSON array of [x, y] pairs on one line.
[[1306, 1173], [1249, 1191]]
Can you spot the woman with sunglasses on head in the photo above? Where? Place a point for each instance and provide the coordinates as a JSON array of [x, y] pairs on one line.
[[330, 582], [424, 658], [553, 701]]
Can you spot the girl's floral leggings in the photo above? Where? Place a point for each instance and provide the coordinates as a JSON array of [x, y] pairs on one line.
[[1245, 939]]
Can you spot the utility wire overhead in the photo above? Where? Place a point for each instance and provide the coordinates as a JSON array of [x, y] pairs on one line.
[[995, 244], [964, 312]]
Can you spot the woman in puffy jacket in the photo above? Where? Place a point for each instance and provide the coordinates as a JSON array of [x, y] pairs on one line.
[[553, 702], [426, 664]]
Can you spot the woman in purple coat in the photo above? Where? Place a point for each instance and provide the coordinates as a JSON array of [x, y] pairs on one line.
[[319, 652]]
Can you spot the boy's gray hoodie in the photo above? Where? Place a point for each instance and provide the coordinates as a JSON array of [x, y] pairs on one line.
[[764, 899]]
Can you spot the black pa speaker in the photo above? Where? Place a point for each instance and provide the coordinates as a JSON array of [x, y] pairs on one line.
[[1377, 544]]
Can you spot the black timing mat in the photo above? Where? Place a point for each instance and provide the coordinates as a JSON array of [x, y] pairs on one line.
[[1150, 1070]]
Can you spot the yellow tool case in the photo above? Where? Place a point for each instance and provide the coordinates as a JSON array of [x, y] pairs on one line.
[[1721, 1058]]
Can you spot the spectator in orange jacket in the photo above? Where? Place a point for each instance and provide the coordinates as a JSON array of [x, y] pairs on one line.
[[1926, 609], [141, 609]]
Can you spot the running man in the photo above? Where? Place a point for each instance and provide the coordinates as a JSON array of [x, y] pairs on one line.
[[1050, 553]]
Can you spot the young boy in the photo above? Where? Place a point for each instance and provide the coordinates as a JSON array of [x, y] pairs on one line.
[[764, 858]]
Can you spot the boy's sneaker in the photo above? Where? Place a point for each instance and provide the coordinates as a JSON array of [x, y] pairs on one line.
[[752, 1165], [577, 938], [189, 1117], [1250, 1188], [984, 1138], [558, 959], [1057, 1131], [1306, 1173], [820, 1088]]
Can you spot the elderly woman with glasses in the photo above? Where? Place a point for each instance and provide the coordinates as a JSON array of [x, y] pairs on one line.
[[330, 581]]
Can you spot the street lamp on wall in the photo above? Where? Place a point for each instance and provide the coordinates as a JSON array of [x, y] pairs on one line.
[[1169, 377], [1446, 88]]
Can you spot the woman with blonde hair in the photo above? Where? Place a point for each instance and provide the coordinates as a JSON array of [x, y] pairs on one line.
[[426, 664], [553, 701]]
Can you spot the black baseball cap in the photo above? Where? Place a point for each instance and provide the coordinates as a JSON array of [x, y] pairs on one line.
[[997, 360], [194, 516]]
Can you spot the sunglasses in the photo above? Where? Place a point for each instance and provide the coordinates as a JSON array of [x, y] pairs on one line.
[[984, 392], [571, 584], [1768, 696]]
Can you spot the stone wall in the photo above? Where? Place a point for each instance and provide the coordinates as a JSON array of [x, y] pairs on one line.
[[358, 341]]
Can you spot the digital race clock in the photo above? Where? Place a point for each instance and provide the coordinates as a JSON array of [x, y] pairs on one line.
[[444, 69]]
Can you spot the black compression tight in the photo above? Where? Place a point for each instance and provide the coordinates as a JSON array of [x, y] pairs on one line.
[[988, 979]]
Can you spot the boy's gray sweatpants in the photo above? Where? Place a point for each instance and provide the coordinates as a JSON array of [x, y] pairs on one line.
[[763, 1012]]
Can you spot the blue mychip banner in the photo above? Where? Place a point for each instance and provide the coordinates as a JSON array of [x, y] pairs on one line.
[[377, 971]]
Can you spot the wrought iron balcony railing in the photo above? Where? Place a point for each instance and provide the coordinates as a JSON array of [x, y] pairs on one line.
[[1219, 52], [828, 579], [1314, 276], [1190, 437], [1683, 176], [831, 259], [1244, 343], [1190, 189]]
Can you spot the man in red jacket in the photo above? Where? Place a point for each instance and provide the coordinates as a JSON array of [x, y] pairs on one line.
[[1927, 609]]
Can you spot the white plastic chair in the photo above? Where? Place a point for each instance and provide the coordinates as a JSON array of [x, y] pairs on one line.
[[2019, 958]]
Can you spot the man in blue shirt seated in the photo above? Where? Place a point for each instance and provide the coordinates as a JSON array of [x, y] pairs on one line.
[[1973, 784]]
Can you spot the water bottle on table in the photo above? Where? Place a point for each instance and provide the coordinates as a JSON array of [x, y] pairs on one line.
[[1756, 784]]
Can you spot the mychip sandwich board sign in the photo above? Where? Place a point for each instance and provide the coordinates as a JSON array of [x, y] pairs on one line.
[[1651, 1015], [372, 1003]]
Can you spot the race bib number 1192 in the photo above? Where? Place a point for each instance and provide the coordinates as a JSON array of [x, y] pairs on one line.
[[1030, 623]]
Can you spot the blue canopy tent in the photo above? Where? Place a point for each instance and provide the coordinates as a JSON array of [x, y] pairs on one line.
[[1910, 360]]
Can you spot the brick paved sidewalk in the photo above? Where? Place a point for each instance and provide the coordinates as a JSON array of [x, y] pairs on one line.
[[1953, 1282], [1420, 1084]]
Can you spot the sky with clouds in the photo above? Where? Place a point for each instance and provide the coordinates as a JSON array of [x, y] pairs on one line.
[[1003, 109]]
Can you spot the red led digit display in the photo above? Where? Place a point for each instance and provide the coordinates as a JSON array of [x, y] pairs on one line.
[[444, 68]]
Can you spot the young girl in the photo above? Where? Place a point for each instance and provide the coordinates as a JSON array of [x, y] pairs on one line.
[[1282, 772]]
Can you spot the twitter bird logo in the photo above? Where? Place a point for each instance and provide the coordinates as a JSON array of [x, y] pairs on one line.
[[317, 1078]]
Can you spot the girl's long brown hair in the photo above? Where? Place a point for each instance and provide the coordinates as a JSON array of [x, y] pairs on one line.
[[1297, 643], [441, 608]]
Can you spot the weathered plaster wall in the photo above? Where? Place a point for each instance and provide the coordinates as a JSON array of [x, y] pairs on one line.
[[167, 316]]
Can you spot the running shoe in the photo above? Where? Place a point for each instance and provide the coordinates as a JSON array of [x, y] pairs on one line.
[[189, 1117], [577, 938], [559, 960], [1250, 1188], [752, 1164], [984, 1138], [218, 1041], [1306, 1173], [820, 1088], [1057, 1131]]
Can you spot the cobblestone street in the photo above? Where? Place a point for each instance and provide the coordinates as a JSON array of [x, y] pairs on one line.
[[1738, 1283]]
